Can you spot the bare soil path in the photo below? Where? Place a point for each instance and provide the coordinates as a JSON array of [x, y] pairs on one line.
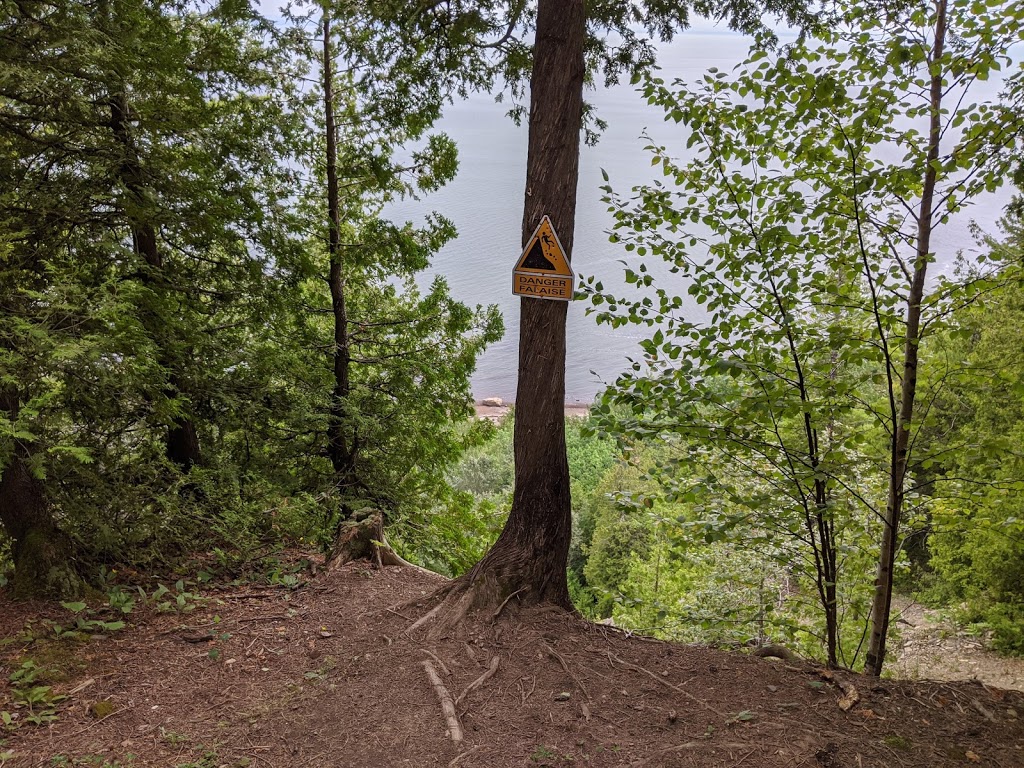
[[326, 675], [933, 647]]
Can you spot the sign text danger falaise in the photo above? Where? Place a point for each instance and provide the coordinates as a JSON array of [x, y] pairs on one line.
[[543, 272]]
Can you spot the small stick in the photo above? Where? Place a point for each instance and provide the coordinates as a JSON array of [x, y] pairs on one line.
[[447, 706], [458, 759], [82, 686], [480, 680], [501, 607], [565, 666], [524, 695], [434, 656]]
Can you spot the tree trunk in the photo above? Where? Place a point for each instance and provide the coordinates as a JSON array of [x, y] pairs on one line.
[[42, 553], [341, 452], [531, 554], [900, 447], [360, 535], [182, 440]]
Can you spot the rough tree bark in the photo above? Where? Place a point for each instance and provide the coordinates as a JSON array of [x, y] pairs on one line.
[[341, 453], [42, 553], [900, 447], [531, 554]]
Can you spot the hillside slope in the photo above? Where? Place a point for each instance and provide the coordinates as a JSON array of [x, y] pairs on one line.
[[326, 675]]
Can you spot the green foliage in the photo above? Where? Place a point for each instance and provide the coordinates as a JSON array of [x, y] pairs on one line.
[[776, 377], [165, 364], [486, 470], [34, 703], [976, 535]]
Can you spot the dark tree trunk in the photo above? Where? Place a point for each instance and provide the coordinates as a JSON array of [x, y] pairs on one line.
[[182, 441], [900, 448], [360, 535], [42, 553], [340, 449], [531, 554]]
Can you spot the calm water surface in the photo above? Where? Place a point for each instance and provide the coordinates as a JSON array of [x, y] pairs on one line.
[[486, 201]]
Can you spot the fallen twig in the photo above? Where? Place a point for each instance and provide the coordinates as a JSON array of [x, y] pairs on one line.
[[666, 683], [447, 705], [551, 651], [458, 758], [523, 695], [81, 686], [983, 711], [89, 727], [480, 680]]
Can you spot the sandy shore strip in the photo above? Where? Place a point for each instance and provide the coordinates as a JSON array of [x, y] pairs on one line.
[[494, 408]]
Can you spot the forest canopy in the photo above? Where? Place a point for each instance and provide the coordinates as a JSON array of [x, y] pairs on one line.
[[215, 343]]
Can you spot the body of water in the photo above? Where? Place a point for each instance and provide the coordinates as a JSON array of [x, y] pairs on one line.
[[486, 203]]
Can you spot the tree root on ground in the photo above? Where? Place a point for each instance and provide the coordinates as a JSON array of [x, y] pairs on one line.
[[613, 658], [775, 652], [447, 705], [480, 680]]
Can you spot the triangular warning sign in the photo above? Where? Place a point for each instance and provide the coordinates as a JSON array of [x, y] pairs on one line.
[[544, 253]]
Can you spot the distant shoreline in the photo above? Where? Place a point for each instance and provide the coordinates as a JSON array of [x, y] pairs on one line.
[[496, 412]]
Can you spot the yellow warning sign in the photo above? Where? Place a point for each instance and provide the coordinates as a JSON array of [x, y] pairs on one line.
[[541, 287], [543, 272]]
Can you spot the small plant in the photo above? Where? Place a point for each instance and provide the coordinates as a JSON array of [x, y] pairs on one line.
[[122, 601], [741, 717], [208, 760], [181, 599], [84, 625], [39, 701], [285, 575], [542, 753], [898, 742], [173, 738], [91, 760]]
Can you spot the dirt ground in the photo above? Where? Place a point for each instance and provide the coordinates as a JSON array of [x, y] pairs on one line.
[[325, 674], [932, 647]]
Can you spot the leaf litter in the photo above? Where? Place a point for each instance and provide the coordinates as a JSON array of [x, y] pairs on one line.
[[329, 675]]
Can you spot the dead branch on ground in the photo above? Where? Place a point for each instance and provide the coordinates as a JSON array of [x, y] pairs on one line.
[[447, 705]]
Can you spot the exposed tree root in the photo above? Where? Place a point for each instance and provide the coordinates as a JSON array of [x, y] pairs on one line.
[[480, 680], [488, 589], [447, 705], [612, 657], [556, 655], [776, 652], [467, 753], [504, 602], [455, 601], [444, 667]]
